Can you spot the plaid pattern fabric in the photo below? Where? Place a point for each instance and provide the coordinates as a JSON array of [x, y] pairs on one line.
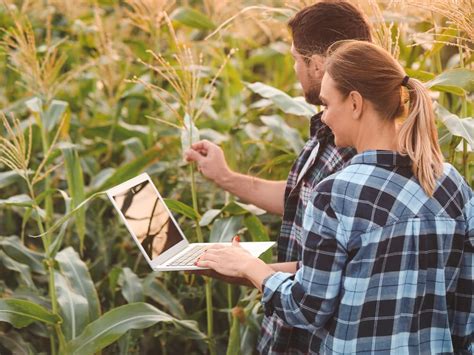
[[385, 268], [277, 337]]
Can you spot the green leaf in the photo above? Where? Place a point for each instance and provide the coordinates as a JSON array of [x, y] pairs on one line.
[[113, 324], [18, 200], [58, 238], [419, 74], [233, 347], [75, 270], [8, 178], [13, 342], [189, 133], [21, 313], [457, 81], [132, 169], [256, 229], [237, 208], [282, 130], [122, 131], [158, 292], [35, 105], [13, 247], [461, 127], [223, 230], [181, 208], [208, 217], [134, 146], [22, 269], [75, 182], [192, 18], [132, 288], [55, 113], [286, 103], [73, 307], [258, 233]]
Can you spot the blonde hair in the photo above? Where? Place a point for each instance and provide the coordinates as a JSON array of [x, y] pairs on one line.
[[377, 76]]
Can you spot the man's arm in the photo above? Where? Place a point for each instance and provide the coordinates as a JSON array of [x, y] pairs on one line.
[[265, 194]]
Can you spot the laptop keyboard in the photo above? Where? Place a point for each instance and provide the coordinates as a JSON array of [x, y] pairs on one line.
[[189, 257]]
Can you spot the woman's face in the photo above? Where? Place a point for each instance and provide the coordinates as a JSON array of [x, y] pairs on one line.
[[338, 113]]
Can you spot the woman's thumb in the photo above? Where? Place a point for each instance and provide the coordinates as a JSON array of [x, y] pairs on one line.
[[235, 241]]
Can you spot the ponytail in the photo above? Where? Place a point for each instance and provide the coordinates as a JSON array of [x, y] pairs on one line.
[[418, 137], [384, 84]]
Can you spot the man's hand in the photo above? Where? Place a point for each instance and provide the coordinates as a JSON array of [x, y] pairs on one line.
[[210, 160], [265, 194]]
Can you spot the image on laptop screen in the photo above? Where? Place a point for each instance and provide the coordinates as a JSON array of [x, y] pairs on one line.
[[148, 218]]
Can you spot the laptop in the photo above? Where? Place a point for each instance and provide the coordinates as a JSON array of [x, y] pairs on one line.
[[155, 230]]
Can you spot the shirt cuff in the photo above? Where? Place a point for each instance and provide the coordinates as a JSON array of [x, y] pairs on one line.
[[270, 285]]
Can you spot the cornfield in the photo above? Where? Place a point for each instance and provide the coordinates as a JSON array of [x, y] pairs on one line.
[[96, 92]]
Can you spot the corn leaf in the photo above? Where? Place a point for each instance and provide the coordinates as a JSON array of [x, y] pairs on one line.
[[131, 169], [73, 307], [192, 18], [132, 288], [181, 208], [75, 270], [13, 342], [157, 291], [22, 269], [13, 247], [223, 230], [75, 181], [457, 81], [55, 113], [462, 127], [21, 313], [286, 103], [115, 323]]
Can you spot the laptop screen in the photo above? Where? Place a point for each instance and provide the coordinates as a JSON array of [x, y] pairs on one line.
[[148, 218]]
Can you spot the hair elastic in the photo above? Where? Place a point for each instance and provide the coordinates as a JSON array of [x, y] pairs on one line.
[[405, 80]]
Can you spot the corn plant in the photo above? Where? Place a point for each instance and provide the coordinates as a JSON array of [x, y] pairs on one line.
[[73, 126]]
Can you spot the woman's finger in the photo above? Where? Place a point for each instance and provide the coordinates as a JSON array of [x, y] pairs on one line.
[[206, 263], [236, 241], [210, 256]]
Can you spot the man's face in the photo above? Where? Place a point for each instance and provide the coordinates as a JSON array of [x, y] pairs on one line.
[[309, 71]]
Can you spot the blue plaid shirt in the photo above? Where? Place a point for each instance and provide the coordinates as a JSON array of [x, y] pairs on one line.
[[277, 337], [385, 268]]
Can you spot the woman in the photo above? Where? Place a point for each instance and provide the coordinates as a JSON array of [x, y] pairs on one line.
[[388, 241]]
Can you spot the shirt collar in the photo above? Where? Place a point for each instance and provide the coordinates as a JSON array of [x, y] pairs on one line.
[[318, 128], [386, 158]]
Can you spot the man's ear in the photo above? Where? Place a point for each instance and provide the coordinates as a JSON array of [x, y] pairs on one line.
[[317, 62], [357, 104]]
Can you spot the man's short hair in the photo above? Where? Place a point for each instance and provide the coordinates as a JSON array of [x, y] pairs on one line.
[[316, 27]]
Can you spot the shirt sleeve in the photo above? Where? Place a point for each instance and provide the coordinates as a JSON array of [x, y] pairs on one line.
[[308, 298], [463, 330]]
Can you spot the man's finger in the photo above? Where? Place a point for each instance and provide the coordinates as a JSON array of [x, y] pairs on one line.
[[192, 155], [202, 145]]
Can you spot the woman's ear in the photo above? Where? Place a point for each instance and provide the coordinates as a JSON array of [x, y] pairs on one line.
[[357, 103]]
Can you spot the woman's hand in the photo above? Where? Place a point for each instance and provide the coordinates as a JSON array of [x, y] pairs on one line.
[[229, 261], [235, 261]]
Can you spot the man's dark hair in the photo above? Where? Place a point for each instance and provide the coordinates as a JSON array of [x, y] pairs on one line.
[[316, 27]]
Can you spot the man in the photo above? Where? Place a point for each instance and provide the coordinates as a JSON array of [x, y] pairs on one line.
[[313, 29]]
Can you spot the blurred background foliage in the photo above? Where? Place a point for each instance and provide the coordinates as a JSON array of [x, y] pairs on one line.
[[95, 92]]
